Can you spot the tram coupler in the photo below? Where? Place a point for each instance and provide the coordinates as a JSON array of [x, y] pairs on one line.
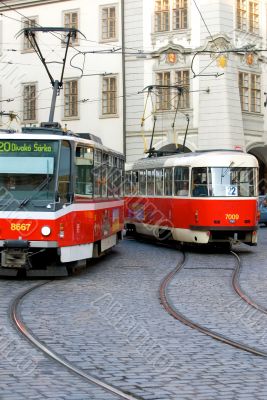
[[15, 253]]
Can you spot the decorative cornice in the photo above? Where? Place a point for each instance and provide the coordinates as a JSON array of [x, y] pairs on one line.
[[16, 4]]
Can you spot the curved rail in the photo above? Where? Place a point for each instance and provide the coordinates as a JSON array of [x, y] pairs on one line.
[[37, 343], [239, 291], [170, 308]]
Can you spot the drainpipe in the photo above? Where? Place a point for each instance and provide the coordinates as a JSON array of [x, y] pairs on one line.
[[123, 77]]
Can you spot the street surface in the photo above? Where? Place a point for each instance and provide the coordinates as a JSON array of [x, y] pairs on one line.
[[109, 322]]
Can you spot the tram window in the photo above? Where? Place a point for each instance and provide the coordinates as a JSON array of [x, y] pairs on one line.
[[134, 183], [127, 184], [105, 175], [97, 173], [150, 182], [142, 182], [231, 182], [116, 182], [181, 181], [111, 173], [159, 182], [84, 171], [64, 172], [199, 182], [168, 175]]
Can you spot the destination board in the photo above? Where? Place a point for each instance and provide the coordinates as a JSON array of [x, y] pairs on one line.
[[26, 147]]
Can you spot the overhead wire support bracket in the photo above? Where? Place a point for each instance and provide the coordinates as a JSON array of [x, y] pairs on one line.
[[30, 33]]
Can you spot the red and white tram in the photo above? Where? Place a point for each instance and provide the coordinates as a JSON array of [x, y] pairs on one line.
[[201, 197], [60, 200]]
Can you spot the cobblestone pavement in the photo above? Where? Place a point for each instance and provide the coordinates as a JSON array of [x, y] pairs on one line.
[[108, 320]]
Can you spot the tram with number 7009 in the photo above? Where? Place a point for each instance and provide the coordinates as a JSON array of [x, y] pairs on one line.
[[201, 197], [60, 200]]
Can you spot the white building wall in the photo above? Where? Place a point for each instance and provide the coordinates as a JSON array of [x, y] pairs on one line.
[[26, 67], [216, 118]]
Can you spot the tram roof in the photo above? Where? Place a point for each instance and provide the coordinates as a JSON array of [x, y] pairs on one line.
[[219, 158], [11, 135]]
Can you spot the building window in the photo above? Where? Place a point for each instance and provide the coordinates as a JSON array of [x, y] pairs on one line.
[[170, 10], [71, 99], [162, 15], [168, 97], [29, 102], [179, 14], [108, 23], [182, 79], [164, 97], [109, 95], [28, 23], [250, 92], [71, 20], [248, 15]]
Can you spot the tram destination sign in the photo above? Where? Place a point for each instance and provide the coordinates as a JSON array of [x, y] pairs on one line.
[[25, 147]]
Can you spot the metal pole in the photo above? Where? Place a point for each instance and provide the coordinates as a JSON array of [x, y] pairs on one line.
[[54, 100]]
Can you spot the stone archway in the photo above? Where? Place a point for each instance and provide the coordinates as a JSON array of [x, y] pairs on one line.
[[260, 152]]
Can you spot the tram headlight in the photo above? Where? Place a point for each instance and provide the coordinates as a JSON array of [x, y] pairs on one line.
[[46, 231]]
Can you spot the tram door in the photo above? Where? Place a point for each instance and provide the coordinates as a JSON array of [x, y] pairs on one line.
[[64, 173]]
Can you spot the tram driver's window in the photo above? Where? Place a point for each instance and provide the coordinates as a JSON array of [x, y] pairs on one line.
[[84, 171], [199, 182]]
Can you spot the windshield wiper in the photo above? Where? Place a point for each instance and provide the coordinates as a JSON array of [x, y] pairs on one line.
[[223, 173], [40, 187]]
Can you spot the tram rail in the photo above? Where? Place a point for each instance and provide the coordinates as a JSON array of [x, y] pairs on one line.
[[16, 318], [172, 310]]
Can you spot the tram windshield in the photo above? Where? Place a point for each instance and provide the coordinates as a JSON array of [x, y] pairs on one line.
[[224, 182], [27, 173]]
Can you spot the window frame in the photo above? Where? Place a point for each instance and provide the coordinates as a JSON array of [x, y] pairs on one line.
[[247, 19], [166, 14], [111, 95], [76, 41], [109, 38], [24, 86], [169, 102], [250, 89], [26, 46], [70, 117]]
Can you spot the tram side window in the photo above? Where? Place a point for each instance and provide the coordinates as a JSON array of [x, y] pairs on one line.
[[97, 173], [168, 175], [150, 182], [127, 183], [134, 183], [64, 173], [110, 175], [142, 182], [199, 182], [159, 182], [84, 171], [181, 181], [117, 182], [105, 175]]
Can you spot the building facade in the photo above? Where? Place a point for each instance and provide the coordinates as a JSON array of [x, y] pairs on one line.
[[171, 69], [90, 100], [209, 48]]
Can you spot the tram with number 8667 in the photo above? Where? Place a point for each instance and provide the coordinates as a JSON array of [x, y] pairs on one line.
[[60, 200]]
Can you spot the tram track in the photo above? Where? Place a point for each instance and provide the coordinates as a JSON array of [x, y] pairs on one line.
[[15, 316], [240, 292], [172, 310]]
